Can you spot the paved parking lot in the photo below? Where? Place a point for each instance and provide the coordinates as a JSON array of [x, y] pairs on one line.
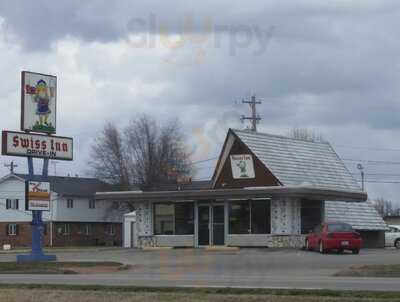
[[244, 267]]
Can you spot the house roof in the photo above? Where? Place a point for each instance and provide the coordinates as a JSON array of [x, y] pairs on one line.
[[297, 162], [73, 186], [360, 215]]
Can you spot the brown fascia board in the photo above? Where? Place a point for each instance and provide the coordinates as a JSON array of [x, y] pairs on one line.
[[227, 194]]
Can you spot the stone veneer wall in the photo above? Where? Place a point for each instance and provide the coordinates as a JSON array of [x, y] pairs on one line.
[[260, 240], [285, 217]]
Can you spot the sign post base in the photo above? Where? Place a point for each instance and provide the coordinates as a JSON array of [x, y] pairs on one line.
[[37, 254]]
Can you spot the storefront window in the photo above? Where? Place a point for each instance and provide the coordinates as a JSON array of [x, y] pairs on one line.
[[249, 217], [260, 217], [164, 219], [239, 217], [174, 219], [184, 219]]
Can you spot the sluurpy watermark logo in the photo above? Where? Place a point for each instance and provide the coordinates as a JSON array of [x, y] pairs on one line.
[[188, 44]]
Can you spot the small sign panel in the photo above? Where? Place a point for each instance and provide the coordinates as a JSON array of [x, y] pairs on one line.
[[242, 166], [37, 196], [38, 102], [36, 145]]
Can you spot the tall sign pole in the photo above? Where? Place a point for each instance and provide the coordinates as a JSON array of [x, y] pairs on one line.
[[38, 124]]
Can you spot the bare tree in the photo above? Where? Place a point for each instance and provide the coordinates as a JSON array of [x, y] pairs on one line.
[[383, 206], [144, 154], [306, 135], [156, 154], [108, 157]]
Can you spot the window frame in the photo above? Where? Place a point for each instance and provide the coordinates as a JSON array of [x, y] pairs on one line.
[[12, 204], [92, 203], [12, 229], [250, 206], [65, 229], [173, 204], [110, 229], [70, 203]]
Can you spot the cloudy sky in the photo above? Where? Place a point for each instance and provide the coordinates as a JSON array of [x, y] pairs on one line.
[[331, 66]]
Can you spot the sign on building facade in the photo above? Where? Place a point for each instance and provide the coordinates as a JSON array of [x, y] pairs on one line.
[[242, 166], [36, 145], [37, 196], [38, 102]]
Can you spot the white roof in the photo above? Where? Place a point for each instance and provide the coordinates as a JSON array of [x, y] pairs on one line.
[[297, 162], [360, 215]]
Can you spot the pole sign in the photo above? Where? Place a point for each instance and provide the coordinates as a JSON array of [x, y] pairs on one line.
[[36, 145], [38, 102], [37, 196]]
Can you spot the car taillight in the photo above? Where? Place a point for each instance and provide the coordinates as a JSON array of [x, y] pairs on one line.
[[356, 235]]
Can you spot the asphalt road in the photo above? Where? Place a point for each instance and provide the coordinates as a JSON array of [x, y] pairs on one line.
[[263, 268]]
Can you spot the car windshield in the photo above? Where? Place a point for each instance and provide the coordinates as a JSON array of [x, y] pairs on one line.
[[339, 227]]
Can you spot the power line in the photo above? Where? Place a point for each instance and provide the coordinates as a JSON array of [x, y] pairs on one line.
[[374, 162], [377, 174], [367, 148], [204, 160], [380, 182]]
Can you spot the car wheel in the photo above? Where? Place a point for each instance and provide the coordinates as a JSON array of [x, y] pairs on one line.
[[356, 251], [321, 248], [397, 243]]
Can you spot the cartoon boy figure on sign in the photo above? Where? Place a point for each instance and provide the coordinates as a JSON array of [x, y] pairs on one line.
[[42, 98], [242, 166]]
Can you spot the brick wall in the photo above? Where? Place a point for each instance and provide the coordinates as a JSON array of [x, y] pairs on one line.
[[99, 234], [23, 237]]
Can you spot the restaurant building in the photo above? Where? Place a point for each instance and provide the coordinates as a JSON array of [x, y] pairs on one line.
[[266, 191]]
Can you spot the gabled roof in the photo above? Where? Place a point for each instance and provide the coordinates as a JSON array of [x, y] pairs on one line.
[[297, 162], [73, 186], [360, 215]]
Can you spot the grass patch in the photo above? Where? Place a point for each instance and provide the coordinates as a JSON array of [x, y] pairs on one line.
[[392, 270], [34, 295], [59, 267], [88, 293]]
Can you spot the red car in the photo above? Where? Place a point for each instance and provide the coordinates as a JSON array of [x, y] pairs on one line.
[[333, 236]]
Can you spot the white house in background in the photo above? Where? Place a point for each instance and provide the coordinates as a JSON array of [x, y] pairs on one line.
[[75, 217]]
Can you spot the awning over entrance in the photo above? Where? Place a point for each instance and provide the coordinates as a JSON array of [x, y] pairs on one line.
[[298, 192]]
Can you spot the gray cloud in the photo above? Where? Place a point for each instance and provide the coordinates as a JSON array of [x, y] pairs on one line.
[[330, 66]]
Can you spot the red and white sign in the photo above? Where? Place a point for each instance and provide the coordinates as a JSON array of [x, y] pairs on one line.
[[37, 196], [36, 145]]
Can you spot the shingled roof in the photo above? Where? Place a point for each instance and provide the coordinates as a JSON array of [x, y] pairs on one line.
[[73, 186], [297, 162], [360, 215]]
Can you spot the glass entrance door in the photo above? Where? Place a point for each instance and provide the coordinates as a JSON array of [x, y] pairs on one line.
[[204, 224], [211, 225], [218, 225]]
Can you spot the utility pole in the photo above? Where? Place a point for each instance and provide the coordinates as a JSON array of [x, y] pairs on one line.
[[361, 168], [254, 118], [11, 166]]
